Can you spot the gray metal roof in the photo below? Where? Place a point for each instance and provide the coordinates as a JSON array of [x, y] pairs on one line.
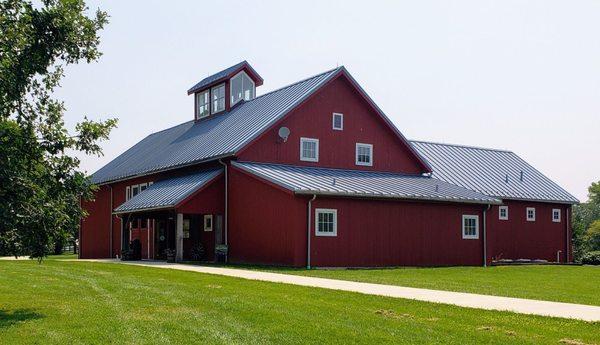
[[221, 75], [217, 136], [168, 193], [492, 172], [325, 181]]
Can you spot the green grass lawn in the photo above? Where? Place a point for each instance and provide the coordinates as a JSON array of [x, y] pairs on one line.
[[573, 284], [62, 302]]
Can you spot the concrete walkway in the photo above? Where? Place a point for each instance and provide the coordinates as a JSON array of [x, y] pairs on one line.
[[469, 300]]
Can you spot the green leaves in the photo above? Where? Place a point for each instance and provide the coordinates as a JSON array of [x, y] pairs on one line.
[[40, 183]]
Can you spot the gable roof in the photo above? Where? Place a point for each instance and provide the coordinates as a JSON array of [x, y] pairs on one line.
[[225, 74], [211, 138], [168, 193], [492, 172], [359, 183], [225, 134]]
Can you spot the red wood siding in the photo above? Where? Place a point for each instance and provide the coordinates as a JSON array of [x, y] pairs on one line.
[[394, 233], [517, 238], [313, 119], [266, 224], [95, 228]]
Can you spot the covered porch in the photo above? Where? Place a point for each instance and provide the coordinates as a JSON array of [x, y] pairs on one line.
[[179, 218]]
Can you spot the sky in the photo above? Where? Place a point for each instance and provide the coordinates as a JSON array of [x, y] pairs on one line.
[[517, 75]]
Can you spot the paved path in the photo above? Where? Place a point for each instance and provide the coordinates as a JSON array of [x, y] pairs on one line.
[[469, 300]]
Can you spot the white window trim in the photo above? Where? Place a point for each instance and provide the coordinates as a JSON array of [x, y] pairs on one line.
[[198, 117], [212, 110], [140, 187], [527, 214], [208, 216], [325, 210], [150, 183], [470, 237], [307, 159], [500, 208], [231, 88], [127, 193], [333, 122], [556, 220], [370, 146]]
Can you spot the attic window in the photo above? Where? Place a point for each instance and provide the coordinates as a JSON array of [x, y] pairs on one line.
[[202, 104], [242, 87], [218, 98]]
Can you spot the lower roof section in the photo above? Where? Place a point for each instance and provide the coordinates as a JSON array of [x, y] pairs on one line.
[[168, 193], [338, 182]]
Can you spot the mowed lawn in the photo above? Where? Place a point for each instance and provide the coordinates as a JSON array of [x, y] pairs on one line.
[[572, 284], [63, 302]]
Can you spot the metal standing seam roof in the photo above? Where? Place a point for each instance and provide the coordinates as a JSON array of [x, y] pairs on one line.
[[217, 136], [168, 193], [220, 75], [492, 172], [339, 182]]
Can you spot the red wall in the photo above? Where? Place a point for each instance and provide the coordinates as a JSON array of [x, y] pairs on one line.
[[313, 119], [516, 238], [266, 225], [95, 233], [370, 232]]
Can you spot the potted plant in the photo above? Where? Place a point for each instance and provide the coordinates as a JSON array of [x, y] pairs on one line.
[[170, 254], [198, 252], [221, 252]]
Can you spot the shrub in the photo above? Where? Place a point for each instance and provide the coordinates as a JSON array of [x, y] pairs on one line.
[[591, 258], [198, 252]]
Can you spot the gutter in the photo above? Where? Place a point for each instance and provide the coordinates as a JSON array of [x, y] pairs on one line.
[[308, 231]]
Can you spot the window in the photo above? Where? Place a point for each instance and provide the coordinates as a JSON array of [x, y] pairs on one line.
[[202, 104], [338, 121], [364, 154], [218, 99], [186, 228], [135, 190], [242, 87], [325, 222], [470, 227], [143, 187], [309, 149], [208, 222], [556, 215], [530, 214], [503, 212]]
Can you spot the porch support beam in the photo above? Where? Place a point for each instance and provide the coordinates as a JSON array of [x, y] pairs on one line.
[[179, 238]]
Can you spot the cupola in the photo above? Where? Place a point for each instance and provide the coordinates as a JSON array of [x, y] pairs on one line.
[[223, 90]]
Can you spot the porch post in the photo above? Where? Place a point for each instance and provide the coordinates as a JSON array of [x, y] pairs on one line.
[[179, 238]]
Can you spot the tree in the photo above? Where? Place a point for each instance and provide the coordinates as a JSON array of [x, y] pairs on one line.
[[584, 216], [594, 193], [592, 236], [41, 184]]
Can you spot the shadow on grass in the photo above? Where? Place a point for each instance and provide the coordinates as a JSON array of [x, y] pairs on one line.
[[9, 318]]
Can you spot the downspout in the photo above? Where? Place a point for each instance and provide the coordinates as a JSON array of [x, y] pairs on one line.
[[567, 226], [110, 240], [485, 235], [226, 207], [308, 231]]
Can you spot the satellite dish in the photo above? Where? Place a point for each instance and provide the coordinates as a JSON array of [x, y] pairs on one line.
[[284, 133]]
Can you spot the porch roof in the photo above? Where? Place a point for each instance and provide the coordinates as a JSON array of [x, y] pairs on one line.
[[168, 193]]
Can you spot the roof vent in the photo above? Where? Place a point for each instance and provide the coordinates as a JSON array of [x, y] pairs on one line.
[[333, 182], [522, 175], [437, 187], [506, 178]]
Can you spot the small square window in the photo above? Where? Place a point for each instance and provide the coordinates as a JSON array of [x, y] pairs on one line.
[[325, 222], [470, 227], [208, 222], [338, 121], [364, 154], [309, 149], [556, 215], [503, 212], [530, 212], [186, 228]]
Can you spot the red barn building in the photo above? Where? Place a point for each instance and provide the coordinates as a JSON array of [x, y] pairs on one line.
[[315, 174]]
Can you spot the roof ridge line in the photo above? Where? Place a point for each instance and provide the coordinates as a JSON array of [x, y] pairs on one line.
[[297, 82], [460, 145]]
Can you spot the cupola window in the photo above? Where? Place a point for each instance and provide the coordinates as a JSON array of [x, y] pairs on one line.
[[218, 98], [202, 104], [242, 87]]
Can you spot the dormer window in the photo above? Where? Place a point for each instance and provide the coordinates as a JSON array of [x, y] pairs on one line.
[[218, 98], [242, 87], [202, 104]]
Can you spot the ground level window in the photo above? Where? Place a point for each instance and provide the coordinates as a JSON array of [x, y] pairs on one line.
[[470, 227], [530, 212], [325, 222], [208, 222], [556, 215], [503, 212]]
